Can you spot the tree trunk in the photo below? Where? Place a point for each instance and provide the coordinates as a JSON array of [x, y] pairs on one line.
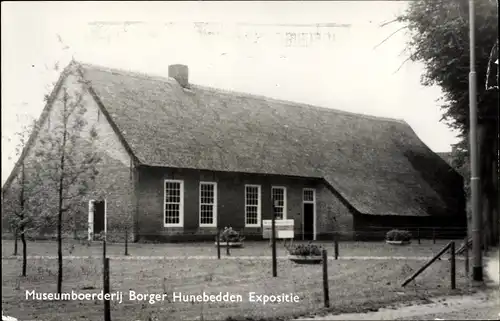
[[59, 251], [59, 229], [60, 206], [25, 255], [484, 156]]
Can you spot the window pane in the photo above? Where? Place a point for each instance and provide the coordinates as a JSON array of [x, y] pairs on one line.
[[207, 194], [172, 213], [172, 192], [207, 203], [172, 202], [252, 203], [278, 196], [308, 195], [206, 214], [252, 215]]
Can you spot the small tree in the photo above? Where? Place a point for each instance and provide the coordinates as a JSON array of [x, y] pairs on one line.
[[67, 153], [23, 196]]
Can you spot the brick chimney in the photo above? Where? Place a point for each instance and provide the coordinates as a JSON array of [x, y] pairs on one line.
[[179, 73]]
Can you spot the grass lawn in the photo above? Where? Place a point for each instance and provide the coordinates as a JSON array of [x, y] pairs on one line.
[[70, 247], [355, 286]]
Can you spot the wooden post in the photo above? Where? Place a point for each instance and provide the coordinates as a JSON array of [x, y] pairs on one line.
[[15, 241], [273, 241], [433, 235], [336, 249], [104, 248], [126, 242], [418, 235], [107, 306], [467, 257], [326, 292], [218, 244], [452, 267], [228, 251]]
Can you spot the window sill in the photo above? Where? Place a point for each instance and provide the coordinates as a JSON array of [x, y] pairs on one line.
[[173, 225]]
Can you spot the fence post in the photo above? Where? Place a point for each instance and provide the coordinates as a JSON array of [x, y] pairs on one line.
[[104, 247], [326, 292], [452, 268], [467, 257], [126, 242], [218, 244], [228, 251], [273, 240], [418, 235], [15, 242], [336, 249], [107, 306]]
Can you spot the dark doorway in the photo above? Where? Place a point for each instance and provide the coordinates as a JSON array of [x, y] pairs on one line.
[[308, 221], [99, 217]]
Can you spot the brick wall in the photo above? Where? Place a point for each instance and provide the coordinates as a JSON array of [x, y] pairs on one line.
[[231, 201], [333, 216]]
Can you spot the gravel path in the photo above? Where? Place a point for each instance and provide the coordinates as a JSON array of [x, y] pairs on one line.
[[482, 306]]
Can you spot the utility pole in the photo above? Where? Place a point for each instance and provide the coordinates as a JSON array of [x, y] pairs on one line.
[[477, 267], [498, 132]]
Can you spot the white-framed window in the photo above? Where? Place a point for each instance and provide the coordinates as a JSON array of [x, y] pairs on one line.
[[174, 203], [309, 195], [252, 205], [278, 195], [208, 204]]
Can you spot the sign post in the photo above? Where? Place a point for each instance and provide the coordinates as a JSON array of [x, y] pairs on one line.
[[273, 239]]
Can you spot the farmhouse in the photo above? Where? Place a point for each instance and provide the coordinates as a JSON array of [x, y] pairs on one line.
[[181, 160]]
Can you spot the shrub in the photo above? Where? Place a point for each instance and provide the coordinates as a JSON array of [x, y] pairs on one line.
[[230, 235], [398, 235], [305, 250]]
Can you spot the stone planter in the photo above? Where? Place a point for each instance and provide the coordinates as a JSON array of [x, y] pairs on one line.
[[397, 242], [309, 259], [231, 244]]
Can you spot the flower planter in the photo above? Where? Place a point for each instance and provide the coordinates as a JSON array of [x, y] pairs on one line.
[[397, 242], [309, 259], [231, 244]]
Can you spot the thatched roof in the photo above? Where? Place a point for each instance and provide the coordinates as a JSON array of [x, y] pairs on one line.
[[368, 160]]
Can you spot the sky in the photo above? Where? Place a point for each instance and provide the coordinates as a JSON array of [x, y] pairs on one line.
[[334, 54]]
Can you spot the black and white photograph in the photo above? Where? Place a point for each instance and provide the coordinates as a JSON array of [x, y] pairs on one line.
[[250, 160]]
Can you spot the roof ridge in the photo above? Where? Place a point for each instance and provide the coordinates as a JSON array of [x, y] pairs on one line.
[[296, 103], [130, 73], [146, 76]]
